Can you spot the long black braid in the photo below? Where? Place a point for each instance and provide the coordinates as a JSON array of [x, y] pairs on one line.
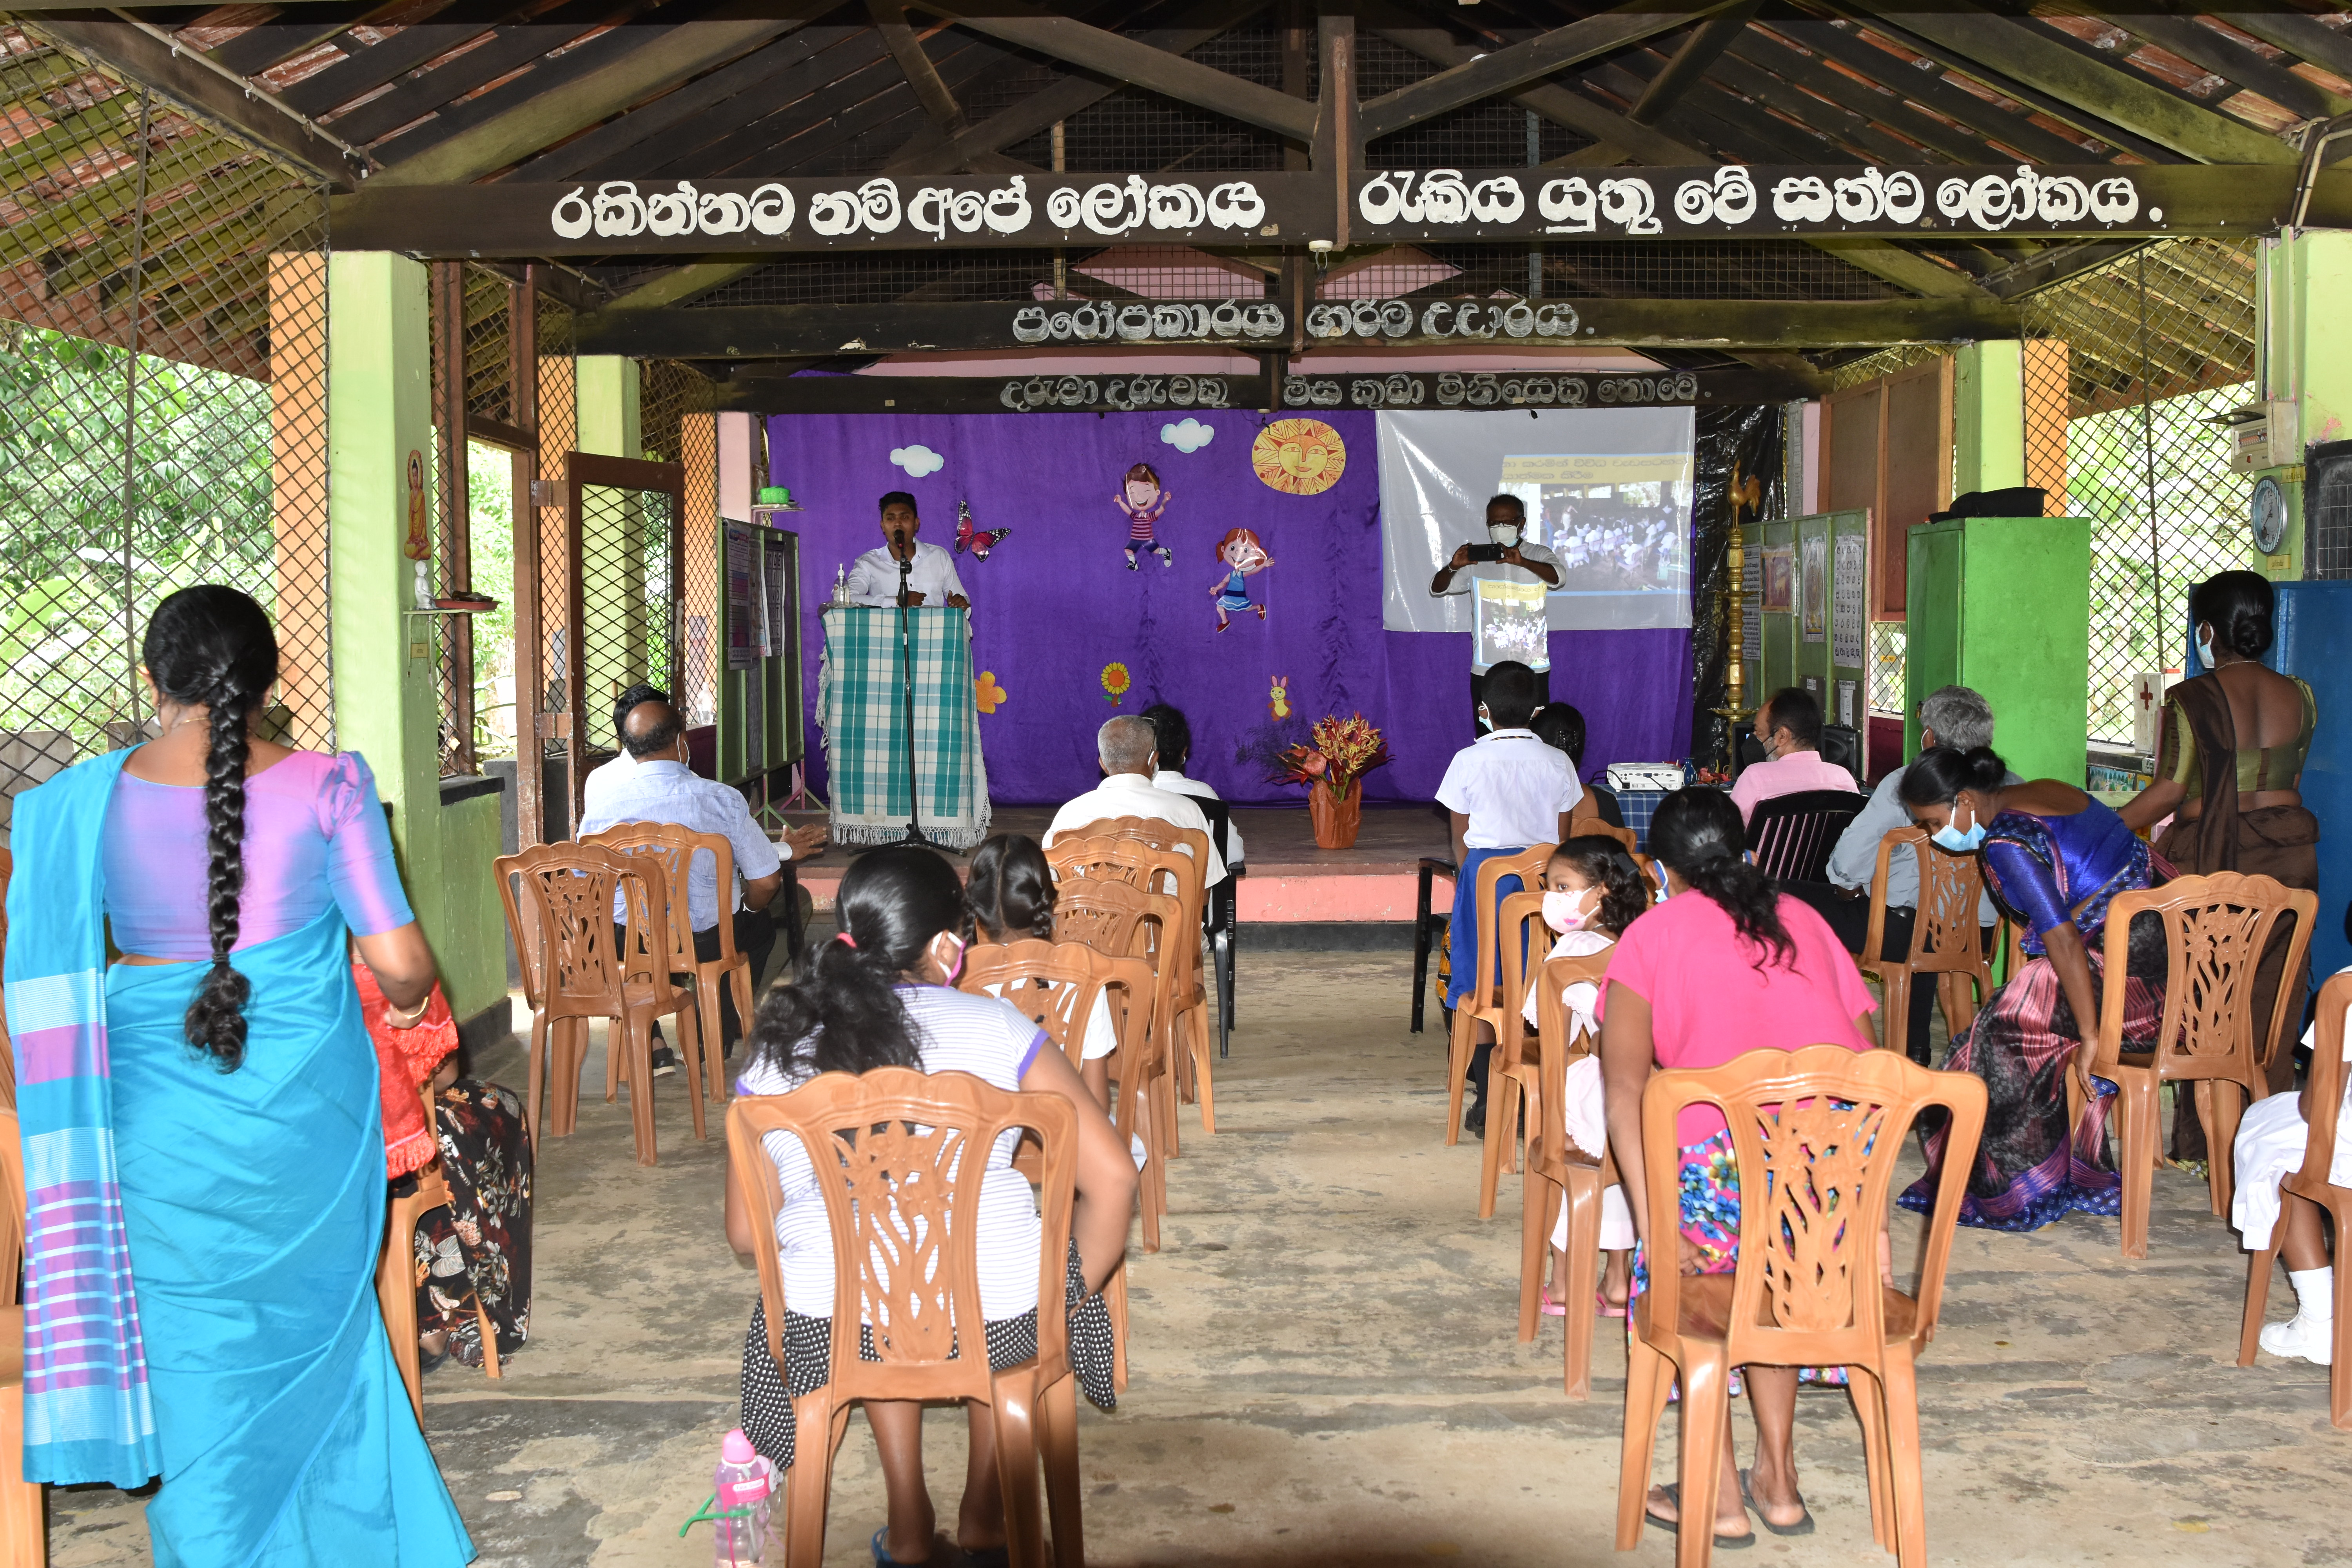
[[213, 646]]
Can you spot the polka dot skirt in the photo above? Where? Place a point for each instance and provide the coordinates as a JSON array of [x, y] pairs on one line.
[[769, 1391]]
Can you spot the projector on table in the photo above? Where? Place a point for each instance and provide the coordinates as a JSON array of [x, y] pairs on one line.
[[1623, 776]]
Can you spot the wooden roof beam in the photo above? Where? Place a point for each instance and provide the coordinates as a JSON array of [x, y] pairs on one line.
[[2230, 61], [369, 68], [1139, 64], [1925, 82], [2298, 34], [528, 47], [907, 47], [1876, 104], [1688, 63]]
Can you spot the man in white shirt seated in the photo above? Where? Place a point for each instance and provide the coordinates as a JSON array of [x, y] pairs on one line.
[[1951, 716], [1175, 736], [1129, 753], [1790, 726], [931, 578], [662, 788], [606, 775]]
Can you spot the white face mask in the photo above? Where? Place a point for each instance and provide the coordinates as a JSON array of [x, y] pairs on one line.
[[1564, 911], [2205, 647], [1503, 533]]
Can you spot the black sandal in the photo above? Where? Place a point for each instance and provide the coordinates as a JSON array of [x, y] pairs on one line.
[[1803, 1527], [1674, 1491]]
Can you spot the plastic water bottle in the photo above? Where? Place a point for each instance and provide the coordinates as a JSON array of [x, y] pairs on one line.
[[744, 1481]]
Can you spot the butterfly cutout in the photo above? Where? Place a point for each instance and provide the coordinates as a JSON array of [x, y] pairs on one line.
[[978, 541]]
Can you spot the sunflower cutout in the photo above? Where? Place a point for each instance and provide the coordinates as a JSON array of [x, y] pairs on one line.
[[987, 693], [1299, 457], [1115, 682]]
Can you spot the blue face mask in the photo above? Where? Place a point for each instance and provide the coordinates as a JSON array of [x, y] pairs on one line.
[[1950, 838]]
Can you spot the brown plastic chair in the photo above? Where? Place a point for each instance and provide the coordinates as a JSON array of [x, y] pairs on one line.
[[1597, 828], [674, 842], [1816, 1134], [24, 1527], [2215, 928], [1159, 875], [1189, 1015], [1946, 942], [1559, 1173], [1483, 1000], [2311, 1184], [567, 896], [1521, 916], [906, 1259], [396, 1278]]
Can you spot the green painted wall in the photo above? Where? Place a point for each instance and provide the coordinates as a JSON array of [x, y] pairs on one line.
[[379, 410], [1989, 416], [608, 406], [2003, 605], [2302, 285]]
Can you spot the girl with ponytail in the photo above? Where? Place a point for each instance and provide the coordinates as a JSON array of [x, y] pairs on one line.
[[1012, 893], [881, 995], [1727, 964], [231, 1081]]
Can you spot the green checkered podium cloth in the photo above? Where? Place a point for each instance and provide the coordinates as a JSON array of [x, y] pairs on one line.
[[862, 701]]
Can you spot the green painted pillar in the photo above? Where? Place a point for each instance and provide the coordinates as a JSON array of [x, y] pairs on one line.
[[1989, 416], [607, 387], [387, 695], [620, 554], [2306, 357]]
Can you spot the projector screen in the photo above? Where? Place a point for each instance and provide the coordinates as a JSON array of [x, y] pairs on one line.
[[1608, 492]]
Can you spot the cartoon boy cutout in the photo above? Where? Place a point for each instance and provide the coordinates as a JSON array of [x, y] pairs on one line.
[[1143, 502]]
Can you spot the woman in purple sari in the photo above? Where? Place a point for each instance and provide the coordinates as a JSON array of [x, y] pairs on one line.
[[2053, 859]]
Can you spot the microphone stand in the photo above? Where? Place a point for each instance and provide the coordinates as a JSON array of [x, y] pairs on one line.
[[907, 676]]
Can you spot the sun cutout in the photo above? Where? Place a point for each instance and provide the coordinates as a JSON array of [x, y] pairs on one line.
[[1299, 457]]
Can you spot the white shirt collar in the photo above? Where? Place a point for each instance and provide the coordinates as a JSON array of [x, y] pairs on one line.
[[1128, 781], [1499, 735]]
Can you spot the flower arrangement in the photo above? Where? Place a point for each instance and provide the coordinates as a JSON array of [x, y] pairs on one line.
[[1341, 751], [1115, 682]]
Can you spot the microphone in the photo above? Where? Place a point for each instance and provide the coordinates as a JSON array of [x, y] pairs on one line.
[[898, 538]]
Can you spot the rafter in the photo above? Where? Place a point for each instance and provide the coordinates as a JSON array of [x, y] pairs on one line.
[[1690, 61], [907, 47], [507, 50], [1881, 106], [409, 49], [2232, 61], [1929, 87]]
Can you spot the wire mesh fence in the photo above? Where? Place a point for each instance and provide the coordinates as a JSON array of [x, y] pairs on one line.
[[628, 599], [163, 422]]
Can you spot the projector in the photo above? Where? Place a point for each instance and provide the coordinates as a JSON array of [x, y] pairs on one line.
[[1623, 776]]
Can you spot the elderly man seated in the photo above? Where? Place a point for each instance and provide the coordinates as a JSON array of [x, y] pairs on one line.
[[660, 787], [1952, 716], [1790, 726], [606, 775], [1129, 750]]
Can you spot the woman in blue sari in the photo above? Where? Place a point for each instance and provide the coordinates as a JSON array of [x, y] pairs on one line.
[[204, 1145], [2053, 860]]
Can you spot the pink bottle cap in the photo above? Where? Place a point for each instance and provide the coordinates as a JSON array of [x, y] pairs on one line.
[[736, 1449]]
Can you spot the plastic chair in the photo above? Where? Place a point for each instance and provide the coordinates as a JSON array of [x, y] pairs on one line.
[[1222, 919], [1483, 1002], [2311, 1183], [1792, 836], [1521, 917], [1816, 1134], [1559, 1173], [1188, 1018], [567, 898], [396, 1279], [24, 1526], [674, 843], [1160, 874], [1425, 926], [905, 1258], [2215, 928], [1946, 942]]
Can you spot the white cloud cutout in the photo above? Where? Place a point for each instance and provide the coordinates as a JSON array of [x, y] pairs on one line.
[[1190, 435], [918, 460]]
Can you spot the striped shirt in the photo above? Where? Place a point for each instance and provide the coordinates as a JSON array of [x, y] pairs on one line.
[[957, 1032]]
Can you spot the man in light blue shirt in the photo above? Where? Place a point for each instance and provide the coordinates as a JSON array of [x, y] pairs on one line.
[[662, 788], [1951, 716]]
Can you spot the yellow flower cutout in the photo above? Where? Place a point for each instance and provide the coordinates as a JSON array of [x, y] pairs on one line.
[[1115, 681], [987, 693]]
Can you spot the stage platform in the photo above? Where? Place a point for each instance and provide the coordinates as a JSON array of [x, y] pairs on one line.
[[1292, 893]]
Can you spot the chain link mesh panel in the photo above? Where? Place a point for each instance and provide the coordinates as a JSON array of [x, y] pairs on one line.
[[559, 432], [2124, 361], [628, 593], [163, 351]]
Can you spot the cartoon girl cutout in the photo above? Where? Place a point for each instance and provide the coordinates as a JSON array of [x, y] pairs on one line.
[[1245, 557], [1143, 502]]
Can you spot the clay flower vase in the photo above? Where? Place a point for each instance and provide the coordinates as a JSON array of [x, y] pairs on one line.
[[1336, 818]]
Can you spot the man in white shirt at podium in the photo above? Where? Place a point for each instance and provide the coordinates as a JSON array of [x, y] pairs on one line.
[[932, 580]]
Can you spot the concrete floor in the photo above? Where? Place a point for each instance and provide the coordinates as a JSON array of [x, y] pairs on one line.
[[1327, 1369]]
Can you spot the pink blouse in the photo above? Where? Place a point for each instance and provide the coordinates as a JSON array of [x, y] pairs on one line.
[[314, 836], [1709, 1004]]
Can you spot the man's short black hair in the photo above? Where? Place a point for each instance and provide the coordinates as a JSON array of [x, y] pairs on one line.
[[1510, 695], [1175, 735], [1797, 711], [897, 498], [1561, 727], [630, 699], [1514, 502], [658, 733]]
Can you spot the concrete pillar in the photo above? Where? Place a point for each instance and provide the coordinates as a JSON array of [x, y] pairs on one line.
[[387, 694], [1989, 416], [614, 564], [2304, 356], [608, 406]]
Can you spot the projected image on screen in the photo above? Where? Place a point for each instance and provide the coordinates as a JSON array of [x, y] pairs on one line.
[[1607, 492]]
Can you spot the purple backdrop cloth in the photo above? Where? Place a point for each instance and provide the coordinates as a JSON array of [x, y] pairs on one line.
[[1055, 603]]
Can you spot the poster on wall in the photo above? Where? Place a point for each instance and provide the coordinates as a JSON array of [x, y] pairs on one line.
[[1813, 587], [1849, 608], [1779, 579], [772, 607], [1751, 608], [1848, 707], [742, 633], [1607, 491]]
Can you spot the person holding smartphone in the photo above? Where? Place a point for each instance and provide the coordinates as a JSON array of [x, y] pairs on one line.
[[1507, 580]]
